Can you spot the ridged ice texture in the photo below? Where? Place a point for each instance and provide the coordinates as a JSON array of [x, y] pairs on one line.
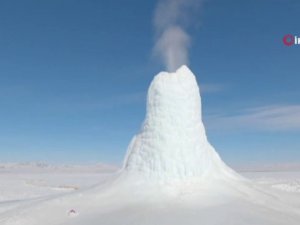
[[172, 142]]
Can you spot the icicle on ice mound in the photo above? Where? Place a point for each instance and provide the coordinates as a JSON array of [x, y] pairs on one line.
[[172, 144]]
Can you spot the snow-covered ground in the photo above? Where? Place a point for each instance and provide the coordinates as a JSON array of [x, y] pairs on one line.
[[21, 181], [37, 186], [286, 181]]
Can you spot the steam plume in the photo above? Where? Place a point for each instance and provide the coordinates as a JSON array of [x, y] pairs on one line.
[[171, 20]]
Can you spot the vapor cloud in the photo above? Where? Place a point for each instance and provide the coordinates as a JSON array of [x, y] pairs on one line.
[[171, 19]]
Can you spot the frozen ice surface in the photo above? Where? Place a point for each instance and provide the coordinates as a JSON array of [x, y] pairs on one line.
[[172, 143]]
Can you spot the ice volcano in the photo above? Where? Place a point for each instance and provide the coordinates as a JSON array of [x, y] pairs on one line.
[[172, 143], [171, 175]]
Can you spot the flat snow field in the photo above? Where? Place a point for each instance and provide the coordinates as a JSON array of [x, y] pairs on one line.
[[28, 186]]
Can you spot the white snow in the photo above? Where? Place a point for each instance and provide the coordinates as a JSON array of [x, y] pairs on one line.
[[176, 211], [21, 181], [171, 175]]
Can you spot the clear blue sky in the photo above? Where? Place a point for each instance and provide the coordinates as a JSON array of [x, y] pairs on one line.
[[74, 75]]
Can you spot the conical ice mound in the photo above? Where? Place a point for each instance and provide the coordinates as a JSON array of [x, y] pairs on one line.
[[172, 143]]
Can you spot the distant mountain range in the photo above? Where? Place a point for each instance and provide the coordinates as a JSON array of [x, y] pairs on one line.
[[46, 167]]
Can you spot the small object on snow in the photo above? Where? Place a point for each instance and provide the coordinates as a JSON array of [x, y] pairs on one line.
[[72, 213]]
